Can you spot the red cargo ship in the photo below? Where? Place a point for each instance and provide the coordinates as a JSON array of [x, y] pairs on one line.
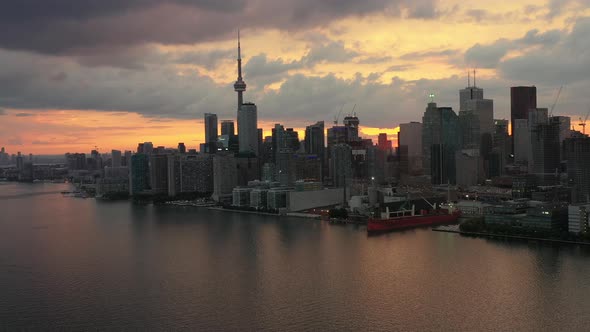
[[403, 219]]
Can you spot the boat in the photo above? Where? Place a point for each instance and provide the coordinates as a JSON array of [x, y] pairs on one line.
[[408, 218]]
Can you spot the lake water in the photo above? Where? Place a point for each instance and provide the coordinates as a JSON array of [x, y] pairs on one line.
[[73, 264]]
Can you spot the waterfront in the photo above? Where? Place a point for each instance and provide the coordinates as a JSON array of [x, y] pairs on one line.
[[74, 263]]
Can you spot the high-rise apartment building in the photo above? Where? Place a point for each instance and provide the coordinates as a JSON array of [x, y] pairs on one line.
[[225, 176]]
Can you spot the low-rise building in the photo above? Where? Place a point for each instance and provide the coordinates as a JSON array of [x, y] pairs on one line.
[[241, 196], [578, 215]]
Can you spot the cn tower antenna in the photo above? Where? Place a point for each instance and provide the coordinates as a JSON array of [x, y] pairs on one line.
[[240, 85]]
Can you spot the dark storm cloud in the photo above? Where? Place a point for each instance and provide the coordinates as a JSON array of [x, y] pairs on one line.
[[75, 27], [23, 114], [487, 56], [490, 55]]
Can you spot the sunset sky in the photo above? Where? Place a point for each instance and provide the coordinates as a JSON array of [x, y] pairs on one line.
[[110, 73]]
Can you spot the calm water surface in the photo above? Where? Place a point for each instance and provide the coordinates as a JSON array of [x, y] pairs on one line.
[[73, 264]]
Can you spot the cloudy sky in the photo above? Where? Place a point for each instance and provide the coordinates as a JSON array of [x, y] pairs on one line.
[[110, 73]]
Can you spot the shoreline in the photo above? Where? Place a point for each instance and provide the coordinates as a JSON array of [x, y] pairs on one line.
[[446, 229]]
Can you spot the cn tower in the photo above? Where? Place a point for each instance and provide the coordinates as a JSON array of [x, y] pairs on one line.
[[240, 85]]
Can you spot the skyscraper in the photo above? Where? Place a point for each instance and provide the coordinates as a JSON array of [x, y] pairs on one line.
[[522, 100], [227, 127], [440, 139], [211, 132], [471, 92], [546, 147]]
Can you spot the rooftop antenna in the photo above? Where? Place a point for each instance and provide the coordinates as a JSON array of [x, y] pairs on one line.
[[474, 85], [468, 78]]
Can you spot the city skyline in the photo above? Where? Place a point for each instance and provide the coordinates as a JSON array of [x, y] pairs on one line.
[[78, 96]]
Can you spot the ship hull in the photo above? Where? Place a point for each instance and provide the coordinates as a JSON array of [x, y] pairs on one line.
[[386, 225]]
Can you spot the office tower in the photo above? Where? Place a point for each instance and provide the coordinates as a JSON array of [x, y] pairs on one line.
[[483, 109], [470, 131], [139, 174], [521, 137], [315, 143], [546, 147], [522, 100], [225, 177], [341, 160], [248, 128], [501, 148], [181, 148], [158, 164], [431, 133], [471, 92], [410, 146], [227, 127], [116, 158], [211, 132], [351, 122], [441, 138], [577, 152]]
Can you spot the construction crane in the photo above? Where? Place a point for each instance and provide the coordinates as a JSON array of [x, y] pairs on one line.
[[338, 116], [352, 112], [583, 123], [555, 102]]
